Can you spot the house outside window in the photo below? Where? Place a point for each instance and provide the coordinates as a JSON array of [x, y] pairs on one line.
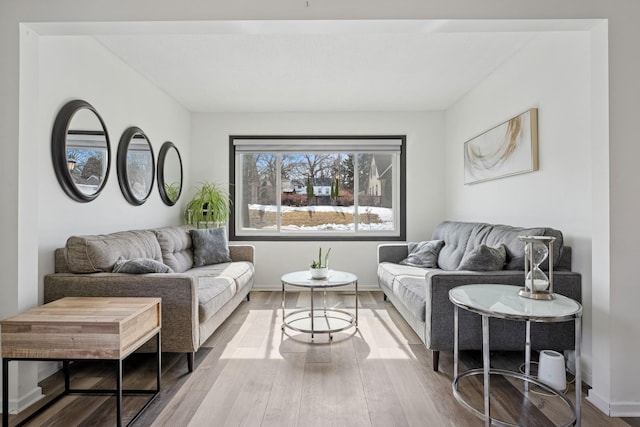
[[317, 188]]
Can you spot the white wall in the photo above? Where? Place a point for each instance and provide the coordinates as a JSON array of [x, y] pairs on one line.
[[210, 146], [62, 68], [79, 67], [601, 349], [552, 74]]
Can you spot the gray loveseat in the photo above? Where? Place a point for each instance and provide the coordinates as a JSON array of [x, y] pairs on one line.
[[195, 300], [421, 295]]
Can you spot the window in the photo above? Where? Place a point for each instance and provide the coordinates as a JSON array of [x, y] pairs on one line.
[[312, 188]]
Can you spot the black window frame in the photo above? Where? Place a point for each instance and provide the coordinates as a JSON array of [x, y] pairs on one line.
[[356, 237]]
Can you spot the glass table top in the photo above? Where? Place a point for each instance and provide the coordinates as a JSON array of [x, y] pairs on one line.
[[303, 278], [503, 301]]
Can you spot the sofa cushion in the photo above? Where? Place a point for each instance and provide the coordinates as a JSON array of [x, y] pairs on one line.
[[241, 272], [176, 247], [140, 266], [213, 293], [494, 235], [462, 237], [210, 246], [423, 254], [389, 273], [484, 258], [412, 293], [455, 236], [98, 253]]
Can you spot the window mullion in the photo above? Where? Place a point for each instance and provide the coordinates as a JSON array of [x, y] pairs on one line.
[[356, 188], [279, 193]]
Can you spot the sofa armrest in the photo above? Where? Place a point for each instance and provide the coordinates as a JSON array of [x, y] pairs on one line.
[[392, 252], [177, 290], [243, 253]]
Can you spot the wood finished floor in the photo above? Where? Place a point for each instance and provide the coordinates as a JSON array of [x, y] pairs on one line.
[[251, 374]]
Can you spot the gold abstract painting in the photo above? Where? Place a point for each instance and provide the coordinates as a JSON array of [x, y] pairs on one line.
[[510, 148]]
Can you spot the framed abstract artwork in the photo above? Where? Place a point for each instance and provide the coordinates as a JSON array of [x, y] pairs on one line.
[[510, 148]]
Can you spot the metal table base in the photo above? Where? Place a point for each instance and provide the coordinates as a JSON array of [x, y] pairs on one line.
[[334, 319], [486, 372], [118, 392]]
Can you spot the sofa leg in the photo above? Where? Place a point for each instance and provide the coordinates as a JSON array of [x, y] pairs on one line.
[[190, 357], [249, 296], [436, 359], [384, 296]]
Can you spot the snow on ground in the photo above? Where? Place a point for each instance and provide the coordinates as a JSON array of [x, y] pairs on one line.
[[385, 215]]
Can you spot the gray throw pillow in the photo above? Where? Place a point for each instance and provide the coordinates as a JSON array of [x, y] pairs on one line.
[[423, 254], [484, 258], [210, 246], [140, 266]]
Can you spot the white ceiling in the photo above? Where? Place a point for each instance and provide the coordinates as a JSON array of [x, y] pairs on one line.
[[276, 66]]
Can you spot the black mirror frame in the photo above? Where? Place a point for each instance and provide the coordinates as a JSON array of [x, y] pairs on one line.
[[59, 150], [121, 163], [162, 155]]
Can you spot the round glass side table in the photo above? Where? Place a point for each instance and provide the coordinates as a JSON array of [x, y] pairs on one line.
[[503, 301], [321, 320]]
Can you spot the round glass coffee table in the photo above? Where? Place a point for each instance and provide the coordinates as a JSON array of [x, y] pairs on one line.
[[321, 320]]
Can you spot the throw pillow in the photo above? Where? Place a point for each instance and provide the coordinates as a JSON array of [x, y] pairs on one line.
[[484, 258], [210, 246], [140, 266], [423, 254]]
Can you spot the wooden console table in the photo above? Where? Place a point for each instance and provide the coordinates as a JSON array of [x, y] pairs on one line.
[[81, 328]]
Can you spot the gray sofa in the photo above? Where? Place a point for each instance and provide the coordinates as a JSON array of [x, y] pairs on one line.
[[421, 295], [195, 300]]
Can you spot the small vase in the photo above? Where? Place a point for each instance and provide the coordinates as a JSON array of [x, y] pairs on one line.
[[319, 273]]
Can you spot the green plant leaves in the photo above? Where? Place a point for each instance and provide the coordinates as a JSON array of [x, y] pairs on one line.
[[211, 204]]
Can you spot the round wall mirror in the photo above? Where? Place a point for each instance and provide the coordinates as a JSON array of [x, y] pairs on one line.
[[136, 167], [169, 173], [80, 151]]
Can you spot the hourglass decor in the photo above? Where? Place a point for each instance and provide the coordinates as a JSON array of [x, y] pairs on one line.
[[537, 284]]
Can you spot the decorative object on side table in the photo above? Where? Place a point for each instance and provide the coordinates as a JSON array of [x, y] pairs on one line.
[[317, 269], [209, 207], [537, 285]]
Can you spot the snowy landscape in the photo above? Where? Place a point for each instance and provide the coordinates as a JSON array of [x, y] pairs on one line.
[[384, 217]]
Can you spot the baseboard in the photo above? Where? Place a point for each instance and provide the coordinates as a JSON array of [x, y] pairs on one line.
[[625, 409], [614, 409], [24, 401], [599, 402]]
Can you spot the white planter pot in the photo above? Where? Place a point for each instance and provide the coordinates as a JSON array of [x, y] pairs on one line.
[[319, 273]]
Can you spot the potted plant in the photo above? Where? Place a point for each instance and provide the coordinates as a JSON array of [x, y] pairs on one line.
[[211, 205], [318, 269]]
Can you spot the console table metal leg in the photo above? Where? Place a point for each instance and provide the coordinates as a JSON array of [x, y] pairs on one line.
[[67, 375], [119, 394], [5, 392], [324, 301], [486, 364], [527, 353], [312, 315], [455, 341], [356, 303], [283, 306], [578, 380], [159, 363], [324, 310]]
